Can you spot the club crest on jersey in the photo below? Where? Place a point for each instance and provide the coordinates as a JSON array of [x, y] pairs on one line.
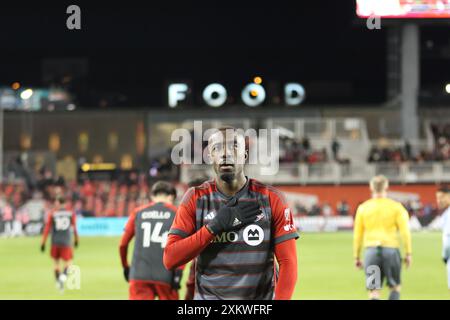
[[260, 216], [253, 235]]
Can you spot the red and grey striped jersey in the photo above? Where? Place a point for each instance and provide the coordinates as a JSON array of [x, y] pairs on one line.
[[239, 264]]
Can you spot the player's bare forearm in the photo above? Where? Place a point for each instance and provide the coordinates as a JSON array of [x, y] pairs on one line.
[[286, 254], [179, 251]]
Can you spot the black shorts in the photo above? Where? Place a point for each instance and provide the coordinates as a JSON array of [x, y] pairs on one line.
[[381, 263]]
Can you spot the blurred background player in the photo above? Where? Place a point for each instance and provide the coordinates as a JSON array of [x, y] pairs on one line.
[[378, 222], [61, 222], [150, 225], [232, 222], [443, 200]]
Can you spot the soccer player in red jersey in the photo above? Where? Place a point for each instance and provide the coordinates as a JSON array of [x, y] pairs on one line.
[[61, 222], [235, 227], [150, 225]]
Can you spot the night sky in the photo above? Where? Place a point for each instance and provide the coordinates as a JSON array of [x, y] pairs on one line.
[[134, 49]]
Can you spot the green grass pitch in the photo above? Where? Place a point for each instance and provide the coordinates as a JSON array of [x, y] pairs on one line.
[[325, 267]]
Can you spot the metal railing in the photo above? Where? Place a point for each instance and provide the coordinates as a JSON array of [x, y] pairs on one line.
[[334, 173]]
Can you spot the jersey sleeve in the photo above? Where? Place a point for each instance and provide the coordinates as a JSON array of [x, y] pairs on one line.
[[128, 230], [283, 226], [286, 254], [126, 238], [184, 223]]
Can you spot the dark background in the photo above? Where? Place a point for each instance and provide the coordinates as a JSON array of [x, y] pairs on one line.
[[133, 49]]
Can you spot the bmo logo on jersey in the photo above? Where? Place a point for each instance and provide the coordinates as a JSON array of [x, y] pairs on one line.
[[227, 237], [253, 235]]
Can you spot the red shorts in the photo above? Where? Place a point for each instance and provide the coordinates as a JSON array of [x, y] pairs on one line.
[[64, 253], [140, 290]]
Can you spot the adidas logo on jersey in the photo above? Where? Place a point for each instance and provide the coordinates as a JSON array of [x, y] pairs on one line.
[[236, 222]]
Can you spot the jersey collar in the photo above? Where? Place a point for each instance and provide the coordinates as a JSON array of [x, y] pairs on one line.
[[238, 194]]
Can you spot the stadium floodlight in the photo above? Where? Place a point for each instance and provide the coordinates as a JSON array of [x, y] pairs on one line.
[[26, 94], [447, 88]]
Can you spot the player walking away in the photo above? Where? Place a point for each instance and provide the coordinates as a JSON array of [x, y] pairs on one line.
[[150, 225], [234, 225], [61, 222], [378, 223], [443, 200]]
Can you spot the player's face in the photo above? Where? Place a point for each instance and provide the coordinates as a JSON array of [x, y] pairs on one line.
[[442, 199], [228, 155]]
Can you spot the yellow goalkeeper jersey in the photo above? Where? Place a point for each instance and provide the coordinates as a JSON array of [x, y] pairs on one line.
[[381, 222]]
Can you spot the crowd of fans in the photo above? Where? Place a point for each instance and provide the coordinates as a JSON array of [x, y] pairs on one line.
[[441, 134], [300, 151], [384, 152], [19, 206], [424, 212]]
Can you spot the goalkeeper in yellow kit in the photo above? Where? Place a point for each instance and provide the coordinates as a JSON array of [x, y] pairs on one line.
[[379, 223]]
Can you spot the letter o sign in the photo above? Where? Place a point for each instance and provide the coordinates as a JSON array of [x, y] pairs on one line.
[[253, 95], [219, 92]]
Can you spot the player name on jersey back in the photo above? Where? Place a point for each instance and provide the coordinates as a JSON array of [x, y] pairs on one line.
[[155, 214]]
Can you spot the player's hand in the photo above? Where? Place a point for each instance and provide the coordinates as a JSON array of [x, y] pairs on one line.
[[43, 247], [445, 260], [234, 215], [76, 243], [126, 273], [358, 263], [408, 260], [176, 280]]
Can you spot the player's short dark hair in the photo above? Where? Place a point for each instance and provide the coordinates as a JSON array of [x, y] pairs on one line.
[[163, 187], [444, 189], [225, 128]]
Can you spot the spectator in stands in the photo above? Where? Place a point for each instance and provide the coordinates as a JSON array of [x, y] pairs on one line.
[[327, 210], [315, 210], [306, 144], [343, 208], [6, 213], [335, 148], [408, 151]]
